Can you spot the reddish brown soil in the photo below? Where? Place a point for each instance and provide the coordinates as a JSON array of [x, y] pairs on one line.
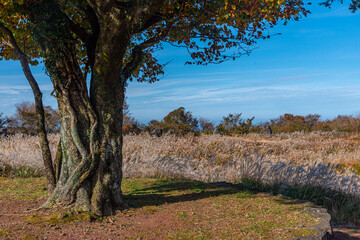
[[122, 226], [159, 211], [347, 233]]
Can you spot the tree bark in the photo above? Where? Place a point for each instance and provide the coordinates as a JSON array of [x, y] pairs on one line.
[[91, 125], [90, 173]]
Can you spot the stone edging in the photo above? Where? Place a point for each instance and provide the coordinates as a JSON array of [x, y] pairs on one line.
[[323, 230]]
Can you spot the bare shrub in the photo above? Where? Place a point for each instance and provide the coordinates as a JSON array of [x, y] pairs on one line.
[[25, 120]]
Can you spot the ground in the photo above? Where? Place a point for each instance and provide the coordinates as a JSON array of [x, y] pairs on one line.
[[159, 209]]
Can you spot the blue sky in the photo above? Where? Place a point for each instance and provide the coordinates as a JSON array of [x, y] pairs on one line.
[[312, 67]]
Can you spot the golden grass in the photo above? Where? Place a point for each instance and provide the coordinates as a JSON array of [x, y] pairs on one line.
[[294, 159]]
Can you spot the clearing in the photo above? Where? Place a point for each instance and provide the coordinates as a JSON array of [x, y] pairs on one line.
[[159, 209]]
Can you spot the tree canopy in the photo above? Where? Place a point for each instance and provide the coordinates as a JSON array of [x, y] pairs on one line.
[[212, 31]]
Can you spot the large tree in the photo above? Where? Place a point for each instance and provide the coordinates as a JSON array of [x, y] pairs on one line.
[[114, 41]]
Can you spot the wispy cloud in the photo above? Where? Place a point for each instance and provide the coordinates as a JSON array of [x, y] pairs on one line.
[[10, 92], [336, 10], [249, 100], [8, 87]]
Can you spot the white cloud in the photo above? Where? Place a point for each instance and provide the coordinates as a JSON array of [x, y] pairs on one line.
[[10, 92]]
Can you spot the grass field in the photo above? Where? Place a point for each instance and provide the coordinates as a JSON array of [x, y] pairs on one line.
[[312, 166]]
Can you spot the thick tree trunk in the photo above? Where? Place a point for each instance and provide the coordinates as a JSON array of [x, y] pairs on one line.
[[91, 152], [91, 126]]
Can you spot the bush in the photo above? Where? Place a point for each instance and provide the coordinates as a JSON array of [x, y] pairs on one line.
[[234, 124], [206, 126], [178, 122], [342, 123], [294, 123]]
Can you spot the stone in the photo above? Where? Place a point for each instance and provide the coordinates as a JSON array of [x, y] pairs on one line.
[[158, 132], [3, 132], [268, 130], [322, 230], [170, 132]]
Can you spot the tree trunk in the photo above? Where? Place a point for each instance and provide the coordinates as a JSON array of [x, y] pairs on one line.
[[40, 113], [91, 126], [91, 156]]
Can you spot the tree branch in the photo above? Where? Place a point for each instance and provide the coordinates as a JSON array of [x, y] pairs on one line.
[[88, 38], [78, 30], [138, 54]]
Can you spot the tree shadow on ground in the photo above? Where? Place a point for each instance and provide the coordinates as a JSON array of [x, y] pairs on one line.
[[179, 191], [338, 235]]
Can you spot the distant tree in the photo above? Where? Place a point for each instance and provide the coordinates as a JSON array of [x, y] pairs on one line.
[[152, 125], [288, 123], [25, 119], [343, 123], [232, 121], [180, 122], [130, 124], [311, 120], [206, 125], [292, 123], [127, 118], [235, 124]]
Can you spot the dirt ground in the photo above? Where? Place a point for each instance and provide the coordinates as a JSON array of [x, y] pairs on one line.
[[160, 209]]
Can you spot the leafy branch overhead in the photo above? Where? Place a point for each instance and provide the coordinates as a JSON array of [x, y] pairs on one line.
[[211, 31]]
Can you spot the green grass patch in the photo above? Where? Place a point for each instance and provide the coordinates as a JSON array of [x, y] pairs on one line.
[[23, 188], [7, 170]]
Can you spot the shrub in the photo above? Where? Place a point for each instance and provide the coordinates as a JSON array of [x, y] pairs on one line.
[[342, 123], [294, 123], [179, 122], [234, 124], [206, 126]]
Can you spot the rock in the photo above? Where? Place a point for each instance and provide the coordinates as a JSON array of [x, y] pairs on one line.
[[157, 132], [268, 130], [323, 230], [170, 132], [3, 132]]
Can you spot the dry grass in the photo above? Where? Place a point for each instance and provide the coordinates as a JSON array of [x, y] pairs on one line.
[[295, 161], [207, 158], [293, 158], [20, 155], [212, 153]]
